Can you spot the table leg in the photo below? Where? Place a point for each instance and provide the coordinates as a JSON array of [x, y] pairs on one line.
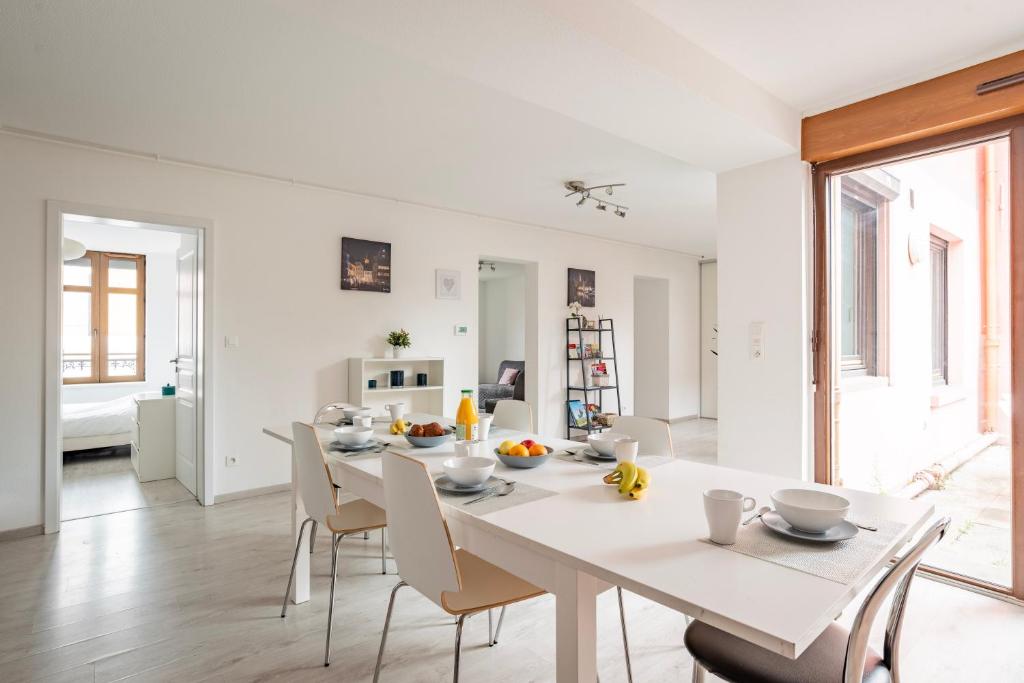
[[576, 626], [300, 586]]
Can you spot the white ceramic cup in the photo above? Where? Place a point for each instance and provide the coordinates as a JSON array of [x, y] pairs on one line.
[[362, 421], [467, 448], [724, 508], [626, 450], [484, 425], [397, 410]]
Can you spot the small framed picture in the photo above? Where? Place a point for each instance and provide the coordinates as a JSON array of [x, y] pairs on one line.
[[448, 284], [577, 413]]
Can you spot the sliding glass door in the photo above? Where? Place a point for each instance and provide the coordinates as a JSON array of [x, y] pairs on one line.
[[917, 338]]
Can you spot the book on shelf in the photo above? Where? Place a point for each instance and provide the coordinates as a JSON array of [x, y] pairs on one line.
[[577, 413]]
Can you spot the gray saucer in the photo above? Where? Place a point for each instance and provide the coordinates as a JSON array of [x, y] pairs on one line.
[[372, 443], [594, 455], [840, 532], [446, 485]]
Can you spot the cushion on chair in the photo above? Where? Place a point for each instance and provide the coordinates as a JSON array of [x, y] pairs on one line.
[[735, 659], [508, 376], [359, 515], [485, 585]]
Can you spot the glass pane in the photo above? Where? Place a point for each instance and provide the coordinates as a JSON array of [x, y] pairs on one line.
[[77, 335], [122, 273], [848, 284], [78, 272], [121, 335]]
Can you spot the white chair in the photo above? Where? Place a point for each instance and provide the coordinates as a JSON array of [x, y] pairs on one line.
[[654, 436], [516, 415], [316, 489], [458, 582], [838, 655]]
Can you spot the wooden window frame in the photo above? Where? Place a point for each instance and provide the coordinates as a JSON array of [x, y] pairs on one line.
[[100, 289], [826, 379], [939, 248]]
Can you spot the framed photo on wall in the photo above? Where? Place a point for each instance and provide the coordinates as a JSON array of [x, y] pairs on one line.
[[365, 265], [448, 284], [582, 287]]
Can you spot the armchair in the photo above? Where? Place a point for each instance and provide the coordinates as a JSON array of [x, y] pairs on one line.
[[489, 394]]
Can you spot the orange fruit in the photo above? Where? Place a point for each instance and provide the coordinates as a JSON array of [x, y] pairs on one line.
[[538, 449], [518, 450]]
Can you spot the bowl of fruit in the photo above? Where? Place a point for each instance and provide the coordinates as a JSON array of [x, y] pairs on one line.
[[428, 435], [523, 455]]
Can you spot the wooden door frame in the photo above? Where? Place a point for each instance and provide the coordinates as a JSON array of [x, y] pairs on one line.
[[1011, 128]]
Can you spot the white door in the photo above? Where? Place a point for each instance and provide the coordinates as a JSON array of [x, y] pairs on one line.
[[709, 340], [185, 364]]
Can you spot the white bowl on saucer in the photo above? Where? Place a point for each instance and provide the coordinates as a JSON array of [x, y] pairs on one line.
[[353, 436], [356, 410], [604, 443], [471, 471], [809, 510]]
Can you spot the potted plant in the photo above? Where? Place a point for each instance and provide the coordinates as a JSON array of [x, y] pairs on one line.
[[398, 340]]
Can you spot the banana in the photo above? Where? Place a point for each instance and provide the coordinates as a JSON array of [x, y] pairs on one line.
[[629, 474], [613, 477], [643, 479], [637, 494]]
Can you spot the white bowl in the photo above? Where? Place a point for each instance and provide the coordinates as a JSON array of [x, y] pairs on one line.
[[356, 410], [353, 436], [471, 471], [604, 442], [810, 510]]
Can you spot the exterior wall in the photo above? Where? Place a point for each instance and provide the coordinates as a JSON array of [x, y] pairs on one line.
[[892, 425]]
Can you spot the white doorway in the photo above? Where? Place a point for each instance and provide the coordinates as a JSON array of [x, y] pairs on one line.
[[709, 340], [651, 375], [502, 331], [126, 330]]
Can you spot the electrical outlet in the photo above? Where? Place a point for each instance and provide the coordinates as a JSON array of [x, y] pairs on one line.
[[230, 461]]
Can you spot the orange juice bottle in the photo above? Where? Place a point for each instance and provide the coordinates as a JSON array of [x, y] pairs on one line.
[[466, 420]]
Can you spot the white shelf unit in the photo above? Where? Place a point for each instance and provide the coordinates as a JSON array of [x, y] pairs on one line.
[[153, 437], [417, 399]]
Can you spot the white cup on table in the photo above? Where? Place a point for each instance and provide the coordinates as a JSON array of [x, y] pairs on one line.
[[484, 425], [467, 448], [626, 450], [723, 509], [397, 410]]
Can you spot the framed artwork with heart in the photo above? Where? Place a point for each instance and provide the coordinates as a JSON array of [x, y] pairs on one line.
[[448, 284]]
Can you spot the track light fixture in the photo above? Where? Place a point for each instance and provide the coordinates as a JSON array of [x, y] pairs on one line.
[[480, 265], [578, 187]]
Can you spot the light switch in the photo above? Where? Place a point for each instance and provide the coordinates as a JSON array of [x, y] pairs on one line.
[[461, 330], [231, 342], [756, 341]]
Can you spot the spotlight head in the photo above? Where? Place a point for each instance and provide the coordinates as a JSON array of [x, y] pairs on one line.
[[492, 268], [620, 213], [602, 207], [583, 198], [609, 190]]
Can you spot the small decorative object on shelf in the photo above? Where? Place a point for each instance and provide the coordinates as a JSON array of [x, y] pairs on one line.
[[577, 414], [574, 351], [398, 341], [371, 384], [421, 379], [575, 309], [398, 378]]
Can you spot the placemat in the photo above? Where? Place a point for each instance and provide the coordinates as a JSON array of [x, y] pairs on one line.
[[648, 461], [842, 561], [524, 493]]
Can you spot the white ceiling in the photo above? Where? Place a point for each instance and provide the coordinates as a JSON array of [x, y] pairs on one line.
[[485, 107], [818, 55]]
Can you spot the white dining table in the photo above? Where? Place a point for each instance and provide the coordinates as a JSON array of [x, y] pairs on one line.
[[587, 538]]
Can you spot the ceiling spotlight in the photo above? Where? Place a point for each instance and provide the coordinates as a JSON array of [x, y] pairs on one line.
[[620, 213], [610, 190], [578, 187], [492, 268], [582, 199], [602, 207]]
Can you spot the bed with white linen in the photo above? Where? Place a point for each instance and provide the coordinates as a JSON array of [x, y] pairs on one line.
[[98, 425]]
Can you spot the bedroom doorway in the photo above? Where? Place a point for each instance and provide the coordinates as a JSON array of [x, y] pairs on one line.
[[125, 388]]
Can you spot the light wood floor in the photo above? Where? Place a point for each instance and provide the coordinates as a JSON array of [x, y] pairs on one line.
[[185, 593], [102, 481]]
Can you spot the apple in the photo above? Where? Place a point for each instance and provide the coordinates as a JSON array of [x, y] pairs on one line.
[[527, 442]]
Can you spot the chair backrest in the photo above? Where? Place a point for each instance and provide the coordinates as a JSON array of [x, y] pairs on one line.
[[515, 415], [316, 488], [417, 532], [898, 577], [654, 436]]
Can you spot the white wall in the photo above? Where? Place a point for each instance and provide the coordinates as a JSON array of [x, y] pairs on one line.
[[708, 340], [276, 287], [762, 265], [161, 335], [651, 328], [502, 323]]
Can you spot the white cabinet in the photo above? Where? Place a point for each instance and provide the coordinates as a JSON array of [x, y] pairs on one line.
[[153, 440], [428, 398]]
